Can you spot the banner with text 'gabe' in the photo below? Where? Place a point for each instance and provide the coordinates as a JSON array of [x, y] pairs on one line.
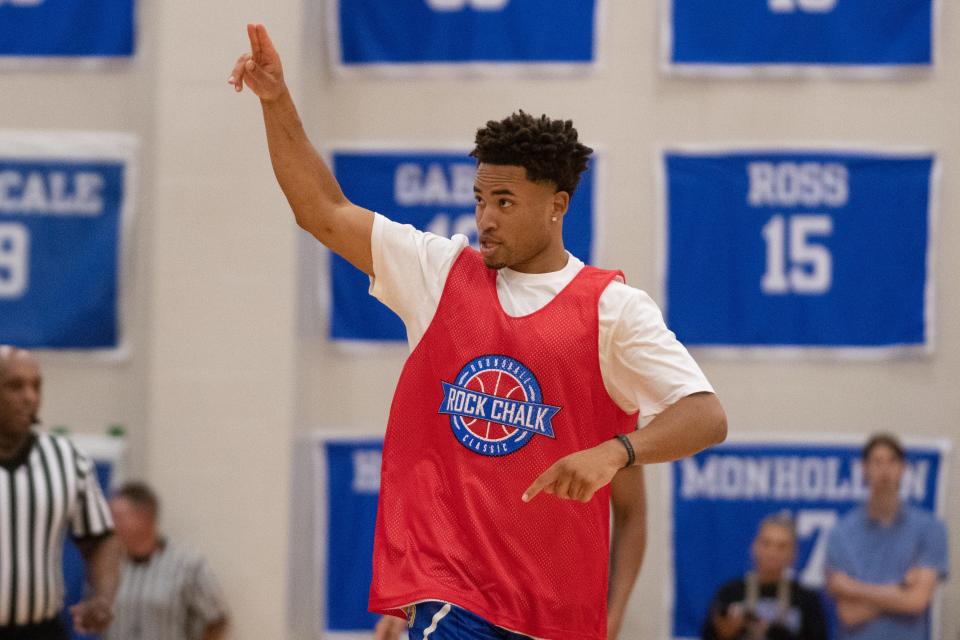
[[40, 29], [414, 35], [781, 37], [64, 197], [800, 250], [720, 496], [433, 191]]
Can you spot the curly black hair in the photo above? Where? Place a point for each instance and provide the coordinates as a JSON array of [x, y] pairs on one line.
[[547, 149]]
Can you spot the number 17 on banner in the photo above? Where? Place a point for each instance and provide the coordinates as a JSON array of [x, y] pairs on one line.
[[798, 248]]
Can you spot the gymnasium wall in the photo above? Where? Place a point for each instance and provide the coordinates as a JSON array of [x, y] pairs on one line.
[[228, 362]]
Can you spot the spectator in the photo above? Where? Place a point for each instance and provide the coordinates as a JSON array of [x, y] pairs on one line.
[[885, 558], [167, 592], [767, 603]]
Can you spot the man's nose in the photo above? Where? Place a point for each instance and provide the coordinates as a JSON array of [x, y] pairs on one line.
[[486, 221], [32, 395]]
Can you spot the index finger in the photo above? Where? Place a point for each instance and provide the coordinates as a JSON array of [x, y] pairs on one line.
[[545, 479]]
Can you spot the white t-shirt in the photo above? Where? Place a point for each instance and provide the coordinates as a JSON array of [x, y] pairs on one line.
[[643, 365]]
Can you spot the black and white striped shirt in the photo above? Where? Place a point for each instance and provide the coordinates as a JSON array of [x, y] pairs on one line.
[[172, 595], [49, 487]]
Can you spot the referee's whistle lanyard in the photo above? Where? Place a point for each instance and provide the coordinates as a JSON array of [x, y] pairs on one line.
[[753, 596]]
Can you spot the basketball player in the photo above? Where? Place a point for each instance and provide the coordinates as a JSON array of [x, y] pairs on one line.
[[527, 374]]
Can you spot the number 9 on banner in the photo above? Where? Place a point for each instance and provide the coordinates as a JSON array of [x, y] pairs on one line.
[[14, 256]]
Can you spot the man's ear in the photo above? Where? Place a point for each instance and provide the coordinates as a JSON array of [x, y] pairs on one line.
[[561, 201]]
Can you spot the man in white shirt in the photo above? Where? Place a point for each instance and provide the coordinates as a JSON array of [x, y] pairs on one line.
[[638, 365]]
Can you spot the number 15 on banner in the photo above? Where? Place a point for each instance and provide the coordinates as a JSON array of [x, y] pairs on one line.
[[14, 260], [798, 265], [786, 248]]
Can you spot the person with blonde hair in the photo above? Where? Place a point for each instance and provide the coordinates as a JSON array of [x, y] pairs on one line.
[[767, 603]]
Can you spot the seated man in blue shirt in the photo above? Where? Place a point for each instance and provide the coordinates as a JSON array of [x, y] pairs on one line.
[[885, 558]]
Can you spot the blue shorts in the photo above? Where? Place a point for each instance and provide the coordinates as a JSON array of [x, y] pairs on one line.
[[442, 621]]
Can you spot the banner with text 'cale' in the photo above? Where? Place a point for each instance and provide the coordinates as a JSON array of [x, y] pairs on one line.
[[812, 251], [348, 472], [433, 191], [64, 200], [418, 35], [41, 29], [781, 37], [720, 496]]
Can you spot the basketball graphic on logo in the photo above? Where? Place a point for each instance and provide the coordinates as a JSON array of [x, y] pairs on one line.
[[495, 406]]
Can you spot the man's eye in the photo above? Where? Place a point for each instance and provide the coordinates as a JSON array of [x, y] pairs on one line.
[[505, 203]]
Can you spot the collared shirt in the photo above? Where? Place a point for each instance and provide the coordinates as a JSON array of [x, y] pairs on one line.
[[878, 553], [47, 489], [172, 595]]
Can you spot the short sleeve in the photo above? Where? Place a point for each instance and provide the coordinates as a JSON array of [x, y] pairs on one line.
[[410, 269], [837, 559], [644, 367], [91, 517], [203, 594], [933, 548]]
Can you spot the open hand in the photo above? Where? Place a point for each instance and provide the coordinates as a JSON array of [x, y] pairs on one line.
[[579, 475], [260, 69]]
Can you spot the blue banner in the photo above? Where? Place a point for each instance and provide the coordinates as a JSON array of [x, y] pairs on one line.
[[720, 496], [798, 249], [876, 33], [432, 191], [417, 32], [60, 241], [85, 28], [353, 488]]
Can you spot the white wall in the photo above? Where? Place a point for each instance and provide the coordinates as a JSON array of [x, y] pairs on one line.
[[219, 380]]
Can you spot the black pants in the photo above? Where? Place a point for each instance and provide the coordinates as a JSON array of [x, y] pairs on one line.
[[49, 630]]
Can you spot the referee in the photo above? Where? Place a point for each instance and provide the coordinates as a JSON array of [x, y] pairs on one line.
[[46, 487]]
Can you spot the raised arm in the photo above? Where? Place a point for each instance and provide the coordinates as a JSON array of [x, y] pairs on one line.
[[629, 499], [317, 201]]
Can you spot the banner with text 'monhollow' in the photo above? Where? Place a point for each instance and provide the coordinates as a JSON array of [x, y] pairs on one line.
[[720, 496], [433, 191], [65, 198]]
